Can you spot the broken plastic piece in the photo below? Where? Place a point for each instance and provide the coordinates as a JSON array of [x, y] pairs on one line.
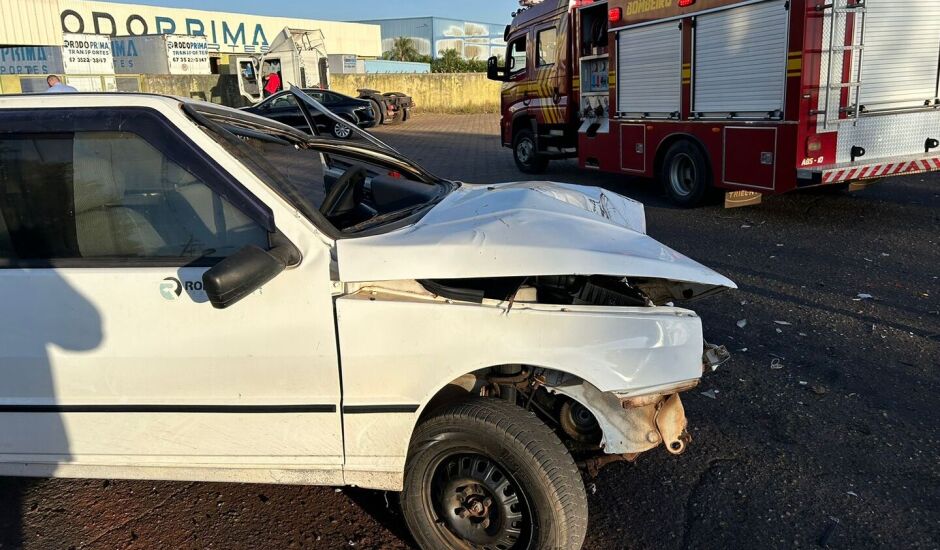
[[715, 356]]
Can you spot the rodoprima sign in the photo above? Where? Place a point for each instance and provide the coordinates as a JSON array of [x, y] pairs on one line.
[[224, 35]]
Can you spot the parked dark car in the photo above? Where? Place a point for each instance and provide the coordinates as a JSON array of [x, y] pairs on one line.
[[283, 108]]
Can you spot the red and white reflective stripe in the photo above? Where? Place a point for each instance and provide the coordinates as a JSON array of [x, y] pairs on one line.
[[881, 170]]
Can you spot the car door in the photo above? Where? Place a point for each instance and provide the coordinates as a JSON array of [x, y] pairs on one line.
[[549, 67], [518, 92], [110, 354]]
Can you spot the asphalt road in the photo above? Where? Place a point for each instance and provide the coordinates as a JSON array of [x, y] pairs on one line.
[[822, 430]]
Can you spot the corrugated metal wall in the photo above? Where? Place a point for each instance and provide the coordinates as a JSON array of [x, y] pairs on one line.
[[472, 39], [419, 29], [433, 35], [29, 23]]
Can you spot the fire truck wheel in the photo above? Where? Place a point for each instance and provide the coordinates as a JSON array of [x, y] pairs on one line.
[[527, 154], [685, 174]]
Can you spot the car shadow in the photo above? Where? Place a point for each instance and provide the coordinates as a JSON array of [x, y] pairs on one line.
[[52, 320], [383, 506]]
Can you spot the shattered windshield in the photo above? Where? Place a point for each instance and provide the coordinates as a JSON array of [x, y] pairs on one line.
[[352, 187]]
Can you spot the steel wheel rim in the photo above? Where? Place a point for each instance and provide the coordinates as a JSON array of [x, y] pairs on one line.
[[342, 130], [477, 505], [683, 174], [526, 150]]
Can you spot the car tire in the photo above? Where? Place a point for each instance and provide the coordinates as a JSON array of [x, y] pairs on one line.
[[525, 152], [342, 131], [686, 174], [485, 473]]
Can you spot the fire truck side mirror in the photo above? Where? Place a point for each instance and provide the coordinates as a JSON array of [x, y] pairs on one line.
[[494, 71]]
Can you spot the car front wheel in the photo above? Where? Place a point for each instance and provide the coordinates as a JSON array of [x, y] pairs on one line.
[[487, 474], [342, 131]]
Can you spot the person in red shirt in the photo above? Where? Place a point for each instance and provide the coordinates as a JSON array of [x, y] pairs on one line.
[[272, 84]]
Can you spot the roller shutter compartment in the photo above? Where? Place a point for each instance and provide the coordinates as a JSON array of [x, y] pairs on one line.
[[741, 59], [650, 70], [902, 53]]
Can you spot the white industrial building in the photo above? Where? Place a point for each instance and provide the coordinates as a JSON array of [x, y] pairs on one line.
[[27, 25]]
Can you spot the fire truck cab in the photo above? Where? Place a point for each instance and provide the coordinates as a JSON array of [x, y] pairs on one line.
[[750, 97]]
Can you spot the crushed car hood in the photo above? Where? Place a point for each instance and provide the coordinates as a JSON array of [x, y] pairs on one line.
[[525, 230]]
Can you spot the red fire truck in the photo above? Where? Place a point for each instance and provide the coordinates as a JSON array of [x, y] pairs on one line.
[[755, 97]]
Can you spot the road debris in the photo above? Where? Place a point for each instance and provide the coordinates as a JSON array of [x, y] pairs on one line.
[[711, 394], [783, 323], [742, 323], [828, 532], [862, 297], [776, 364]]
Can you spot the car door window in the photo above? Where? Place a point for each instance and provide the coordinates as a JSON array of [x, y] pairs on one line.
[[284, 102], [120, 188], [319, 96], [330, 98]]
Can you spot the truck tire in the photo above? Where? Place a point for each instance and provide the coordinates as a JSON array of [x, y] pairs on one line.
[[485, 473], [525, 151], [685, 174], [379, 113]]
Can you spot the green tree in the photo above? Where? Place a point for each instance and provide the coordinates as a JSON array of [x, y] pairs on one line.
[[403, 49], [451, 61]]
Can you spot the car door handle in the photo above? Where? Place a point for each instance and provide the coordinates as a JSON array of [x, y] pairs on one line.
[[526, 99]]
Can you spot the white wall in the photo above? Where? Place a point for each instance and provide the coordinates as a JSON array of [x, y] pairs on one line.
[[39, 22]]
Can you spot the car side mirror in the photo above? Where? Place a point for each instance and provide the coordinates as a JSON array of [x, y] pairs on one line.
[[242, 273], [494, 71]]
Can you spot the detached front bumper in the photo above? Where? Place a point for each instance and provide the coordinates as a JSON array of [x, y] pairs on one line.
[[633, 424]]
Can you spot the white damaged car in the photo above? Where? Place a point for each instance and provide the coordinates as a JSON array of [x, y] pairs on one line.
[[203, 294]]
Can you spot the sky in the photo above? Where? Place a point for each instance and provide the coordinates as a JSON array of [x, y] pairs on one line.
[[484, 11]]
